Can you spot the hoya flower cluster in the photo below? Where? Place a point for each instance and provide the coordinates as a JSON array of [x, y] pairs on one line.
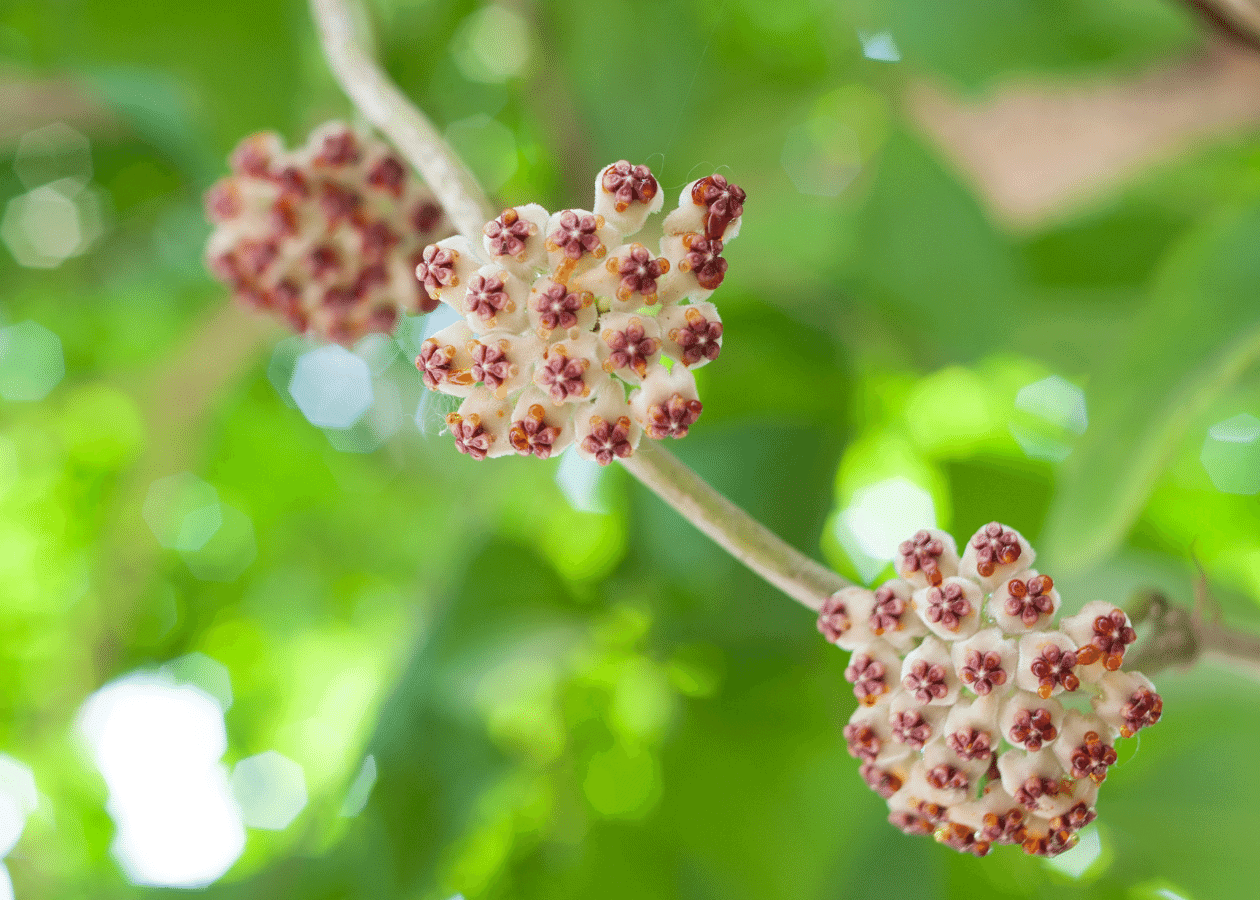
[[326, 237], [566, 323], [979, 720]]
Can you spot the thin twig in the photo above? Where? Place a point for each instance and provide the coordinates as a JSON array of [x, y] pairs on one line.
[[386, 107], [1175, 636], [738, 533]]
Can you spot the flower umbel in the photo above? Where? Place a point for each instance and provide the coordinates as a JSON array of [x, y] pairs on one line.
[[327, 236], [982, 724], [561, 313]]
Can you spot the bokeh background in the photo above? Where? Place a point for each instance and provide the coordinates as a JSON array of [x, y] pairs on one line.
[[1000, 259]]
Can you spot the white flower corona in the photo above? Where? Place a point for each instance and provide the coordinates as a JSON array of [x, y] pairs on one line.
[[978, 721], [565, 322]]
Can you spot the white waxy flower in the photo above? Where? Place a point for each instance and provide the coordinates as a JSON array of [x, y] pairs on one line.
[[576, 241], [709, 206], [557, 311], [893, 617], [539, 427], [666, 404], [481, 426], [869, 737], [1030, 722], [873, 671], [951, 610], [954, 778], [995, 817], [625, 195], [1024, 602], [445, 269], [445, 363], [1128, 702], [927, 558], [913, 723], [516, 240], [994, 554], [1047, 664], [985, 662], [495, 301], [844, 619], [500, 361], [604, 430], [918, 797], [1085, 748], [556, 303], [1102, 631], [692, 333], [629, 344], [927, 674], [971, 728], [570, 371], [1036, 781]]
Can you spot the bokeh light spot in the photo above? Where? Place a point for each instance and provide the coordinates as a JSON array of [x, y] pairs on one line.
[[18, 799], [492, 45], [31, 362], [1231, 455], [1054, 414], [879, 46], [157, 744], [228, 552], [47, 226], [203, 672], [1083, 861], [880, 517], [579, 481], [331, 386], [183, 511], [51, 153], [271, 790]]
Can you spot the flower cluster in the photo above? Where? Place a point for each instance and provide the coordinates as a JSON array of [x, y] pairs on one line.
[[566, 323], [327, 237], [978, 721]]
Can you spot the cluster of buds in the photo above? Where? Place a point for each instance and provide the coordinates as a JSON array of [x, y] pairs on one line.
[[566, 325], [326, 237], [978, 721]]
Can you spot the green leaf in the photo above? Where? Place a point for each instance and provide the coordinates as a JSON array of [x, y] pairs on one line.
[[1198, 335]]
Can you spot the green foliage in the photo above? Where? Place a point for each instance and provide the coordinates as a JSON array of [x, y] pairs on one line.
[[588, 699]]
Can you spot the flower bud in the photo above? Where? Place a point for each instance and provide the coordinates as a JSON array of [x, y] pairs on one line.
[[1102, 631], [928, 674], [692, 333], [1030, 722], [927, 557], [971, 728], [994, 554], [873, 671], [1128, 702], [844, 619], [951, 609], [1036, 781], [1047, 664], [1085, 748], [985, 662]]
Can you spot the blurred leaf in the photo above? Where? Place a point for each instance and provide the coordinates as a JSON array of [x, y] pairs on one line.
[[975, 42], [1198, 334]]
